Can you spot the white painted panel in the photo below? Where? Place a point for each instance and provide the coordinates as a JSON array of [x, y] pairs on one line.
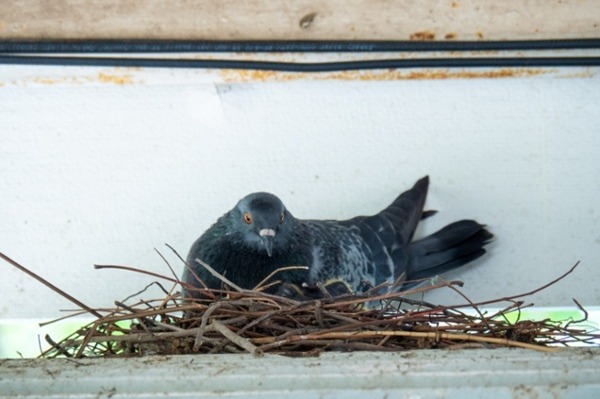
[[103, 165]]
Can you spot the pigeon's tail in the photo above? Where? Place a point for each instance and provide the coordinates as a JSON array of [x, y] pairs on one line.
[[407, 211], [451, 247]]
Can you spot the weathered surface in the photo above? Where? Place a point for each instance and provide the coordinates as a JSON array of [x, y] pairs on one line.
[[303, 19], [500, 373]]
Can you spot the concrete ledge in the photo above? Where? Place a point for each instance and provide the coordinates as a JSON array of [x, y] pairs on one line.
[[500, 373]]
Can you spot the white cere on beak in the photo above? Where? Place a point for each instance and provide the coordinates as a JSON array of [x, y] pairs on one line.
[[267, 233]]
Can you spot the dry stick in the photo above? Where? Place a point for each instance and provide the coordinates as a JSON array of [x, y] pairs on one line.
[[50, 285], [459, 292], [56, 346], [236, 339], [168, 264], [392, 295], [87, 338], [74, 314], [135, 338], [267, 286], [172, 271], [204, 323], [259, 320], [189, 268], [141, 320], [275, 299], [133, 269], [270, 342], [145, 337], [340, 317], [511, 298], [502, 313], [585, 314], [168, 326], [136, 270], [219, 276], [148, 312], [145, 289], [274, 272]]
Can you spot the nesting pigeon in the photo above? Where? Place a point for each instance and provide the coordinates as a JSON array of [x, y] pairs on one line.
[[259, 235]]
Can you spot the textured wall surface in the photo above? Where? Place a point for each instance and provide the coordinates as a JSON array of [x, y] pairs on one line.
[[103, 165], [301, 19]]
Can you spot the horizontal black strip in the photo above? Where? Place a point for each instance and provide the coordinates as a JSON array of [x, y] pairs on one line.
[[175, 46], [494, 62]]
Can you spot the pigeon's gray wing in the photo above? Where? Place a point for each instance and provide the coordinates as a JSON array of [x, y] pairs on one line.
[[394, 258], [338, 252], [387, 234]]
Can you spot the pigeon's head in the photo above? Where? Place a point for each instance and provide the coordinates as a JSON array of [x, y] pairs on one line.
[[262, 222]]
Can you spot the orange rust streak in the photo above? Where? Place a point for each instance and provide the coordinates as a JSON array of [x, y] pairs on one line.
[[115, 79], [232, 76], [46, 81], [424, 35], [102, 77]]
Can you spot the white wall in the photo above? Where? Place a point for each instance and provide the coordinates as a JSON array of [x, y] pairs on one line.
[[103, 165]]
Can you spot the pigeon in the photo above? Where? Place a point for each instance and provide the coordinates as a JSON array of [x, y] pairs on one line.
[[260, 235]]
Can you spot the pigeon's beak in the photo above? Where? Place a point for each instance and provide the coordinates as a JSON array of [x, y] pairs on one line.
[[267, 236]]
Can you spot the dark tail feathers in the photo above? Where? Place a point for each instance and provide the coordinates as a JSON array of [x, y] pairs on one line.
[[451, 247]]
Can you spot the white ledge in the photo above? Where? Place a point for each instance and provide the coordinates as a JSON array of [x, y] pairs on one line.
[[499, 373]]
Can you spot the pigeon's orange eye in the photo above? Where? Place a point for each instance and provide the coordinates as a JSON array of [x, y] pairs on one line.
[[281, 217], [247, 217]]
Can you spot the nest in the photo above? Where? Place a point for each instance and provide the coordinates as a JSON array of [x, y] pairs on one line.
[[251, 321]]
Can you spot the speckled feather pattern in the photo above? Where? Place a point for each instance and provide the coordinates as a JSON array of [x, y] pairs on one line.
[[363, 252]]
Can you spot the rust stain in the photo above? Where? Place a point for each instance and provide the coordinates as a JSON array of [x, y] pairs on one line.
[[479, 34], [49, 81], [424, 35], [237, 76], [102, 77], [586, 73], [59, 80], [450, 36], [450, 74], [115, 79], [455, 4]]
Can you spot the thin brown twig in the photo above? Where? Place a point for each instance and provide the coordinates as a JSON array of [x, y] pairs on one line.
[[476, 308], [168, 264], [277, 271], [219, 276], [191, 270], [134, 269], [236, 339], [50, 285], [529, 293], [270, 342]]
